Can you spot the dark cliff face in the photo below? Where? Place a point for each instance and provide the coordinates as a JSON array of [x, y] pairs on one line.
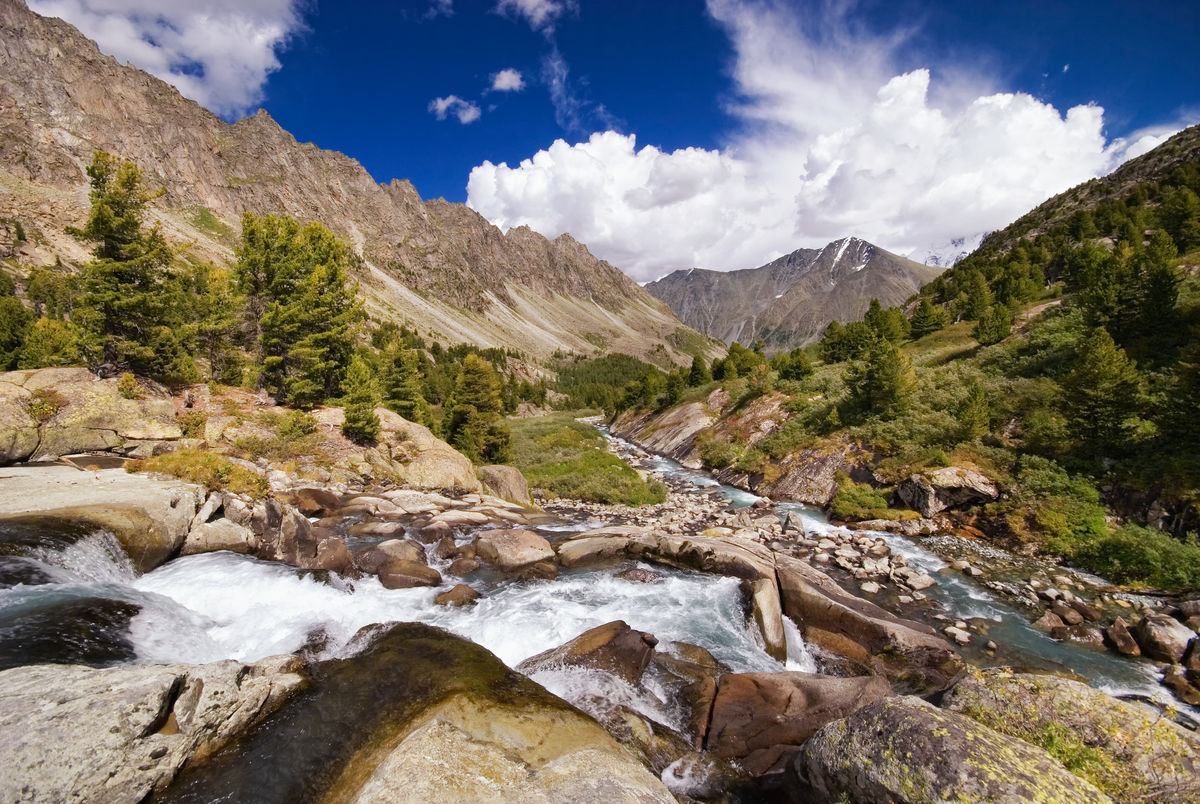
[[790, 301], [61, 99]]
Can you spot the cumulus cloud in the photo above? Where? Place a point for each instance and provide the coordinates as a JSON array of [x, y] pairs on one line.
[[464, 110], [540, 14], [834, 140], [508, 80], [217, 52]]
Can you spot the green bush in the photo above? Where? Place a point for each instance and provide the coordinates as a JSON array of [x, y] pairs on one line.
[[858, 501], [209, 469], [716, 452], [1140, 556]]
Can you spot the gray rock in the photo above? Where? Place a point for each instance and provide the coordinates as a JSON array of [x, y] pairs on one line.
[[1162, 637], [220, 534], [935, 491], [70, 733], [906, 751], [506, 482], [511, 550]]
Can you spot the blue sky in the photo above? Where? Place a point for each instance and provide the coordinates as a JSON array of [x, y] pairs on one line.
[[673, 133]]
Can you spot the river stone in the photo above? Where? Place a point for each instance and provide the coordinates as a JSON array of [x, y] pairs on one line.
[[506, 482], [767, 611], [512, 550], [460, 595], [220, 534], [909, 654], [399, 573], [762, 719], [689, 674], [71, 733], [906, 751], [1161, 636], [1048, 621], [462, 566], [376, 529], [370, 559], [422, 715], [639, 575], [1066, 613], [613, 647], [1149, 758], [1118, 634]]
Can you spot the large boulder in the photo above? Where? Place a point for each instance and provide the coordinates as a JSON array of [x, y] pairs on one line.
[[936, 490], [1139, 755], [421, 459], [908, 653], [151, 517], [762, 719], [811, 475], [1163, 637], [906, 751], [71, 733], [506, 482], [74, 411], [613, 647], [422, 715], [512, 550]]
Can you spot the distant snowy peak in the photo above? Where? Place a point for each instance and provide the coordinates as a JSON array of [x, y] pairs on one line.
[[947, 254]]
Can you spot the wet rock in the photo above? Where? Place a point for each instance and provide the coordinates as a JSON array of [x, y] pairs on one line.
[[506, 482], [462, 566], [613, 647], [511, 550], [91, 631], [460, 595], [935, 491], [1081, 634], [388, 530], [220, 534], [370, 559], [689, 673], [1161, 636], [1067, 614], [1089, 612], [906, 751], [959, 635], [761, 719], [434, 532], [1143, 756], [427, 716], [1048, 621], [869, 588], [909, 654], [399, 573], [1179, 685], [446, 548], [639, 575], [70, 733], [1118, 634], [767, 611]]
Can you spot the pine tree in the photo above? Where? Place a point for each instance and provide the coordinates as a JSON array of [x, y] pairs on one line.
[[474, 426], [975, 414], [403, 388], [14, 324], [699, 374], [1100, 395], [994, 325], [1182, 409], [979, 297], [361, 398], [926, 319], [129, 307], [675, 386], [883, 382], [215, 311], [50, 343]]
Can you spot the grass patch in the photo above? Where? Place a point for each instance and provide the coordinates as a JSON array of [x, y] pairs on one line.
[[209, 469], [566, 458], [203, 218], [285, 437], [856, 502]]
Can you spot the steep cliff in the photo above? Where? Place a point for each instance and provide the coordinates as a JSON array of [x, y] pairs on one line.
[[440, 266]]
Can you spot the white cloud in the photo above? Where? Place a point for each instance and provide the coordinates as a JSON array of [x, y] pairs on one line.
[[464, 110], [217, 52], [540, 14], [508, 80], [440, 8], [835, 140]]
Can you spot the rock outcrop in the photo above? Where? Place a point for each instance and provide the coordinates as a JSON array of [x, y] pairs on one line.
[[613, 647], [937, 490], [906, 751], [437, 717], [505, 482], [1142, 756], [1163, 637], [70, 733]]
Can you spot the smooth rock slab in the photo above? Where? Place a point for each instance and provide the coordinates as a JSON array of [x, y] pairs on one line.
[[510, 550], [71, 733], [906, 751], [613, 647]]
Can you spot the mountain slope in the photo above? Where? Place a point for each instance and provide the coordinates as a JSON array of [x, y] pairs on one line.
[[440, 266], [790, 301]]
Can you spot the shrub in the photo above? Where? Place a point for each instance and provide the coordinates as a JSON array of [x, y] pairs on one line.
[[1141, 556], [716, 452], [129, 388], [44, 404], [209, 469], [854, 501], [192, 423]]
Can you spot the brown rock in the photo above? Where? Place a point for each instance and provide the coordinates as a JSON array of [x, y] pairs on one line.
[[761, 719], [1068, 615], [1163, 637], [434, 532], [1081, 633], [390, 530], [316, 502], [446, 548], [950, 487], [1181, 688], [613, 647], [371, 559], [639, 575], [462, 566], [1118, 634], [398, 573], [1089, 612], [1048, 621], [689, 672], [460, 595], [505, 482], [510, 550]]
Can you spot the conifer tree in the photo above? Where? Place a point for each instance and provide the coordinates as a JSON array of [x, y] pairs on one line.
[[993, 326], [14, 324], [883, 382], [474, 426], [128, 309], [975, 414], [1101, 393], [403, 388], [1182, 409], [50, 343], [979, 297], [675, 386], [699, 374], [926, 319], [361, 398]]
